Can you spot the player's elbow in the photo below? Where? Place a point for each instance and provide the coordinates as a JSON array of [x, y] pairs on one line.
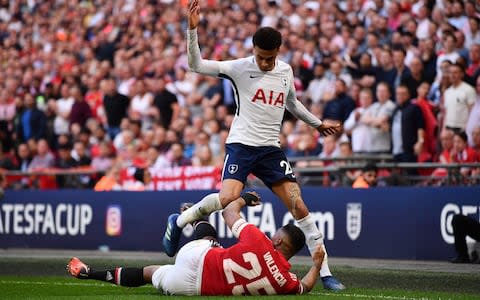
[[307, 286]]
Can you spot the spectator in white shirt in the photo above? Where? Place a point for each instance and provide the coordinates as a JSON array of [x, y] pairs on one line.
[[318, 86], [458, 100], [64, 107], [474, 116], [356, 125]]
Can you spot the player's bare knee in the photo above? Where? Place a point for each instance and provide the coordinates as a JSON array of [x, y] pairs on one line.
[[227, 196]]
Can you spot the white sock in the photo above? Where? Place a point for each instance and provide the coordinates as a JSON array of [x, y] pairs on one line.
[[313, 237], [203, 208]]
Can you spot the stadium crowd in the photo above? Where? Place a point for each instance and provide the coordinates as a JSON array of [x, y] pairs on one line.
[[101, 83]]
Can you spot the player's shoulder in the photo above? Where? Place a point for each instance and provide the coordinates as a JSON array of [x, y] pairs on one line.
[[283, 66]]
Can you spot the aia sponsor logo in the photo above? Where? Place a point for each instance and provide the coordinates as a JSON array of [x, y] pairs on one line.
[[269, 97]]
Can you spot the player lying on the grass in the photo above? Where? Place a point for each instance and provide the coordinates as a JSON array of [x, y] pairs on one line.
[[254, 265]]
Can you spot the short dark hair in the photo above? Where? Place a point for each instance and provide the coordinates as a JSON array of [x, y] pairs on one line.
[[139, 175], [267, 38], [370, 166], [462, 135], [296, 236]]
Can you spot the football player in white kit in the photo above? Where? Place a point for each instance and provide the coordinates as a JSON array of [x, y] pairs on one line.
[[263, 88]]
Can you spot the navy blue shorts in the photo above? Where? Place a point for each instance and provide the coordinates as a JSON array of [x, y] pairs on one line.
[[268, 163]]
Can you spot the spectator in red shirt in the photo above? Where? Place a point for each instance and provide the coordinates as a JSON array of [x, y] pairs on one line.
[[431, 127], [462, 153]]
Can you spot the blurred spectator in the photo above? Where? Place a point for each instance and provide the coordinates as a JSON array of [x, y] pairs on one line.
[[80, 111], [115, 105], [407, 128], [43, 159], [103, 161], [401, 70], [368, 178], [202, 157], [305, 141], [474, 60], [330, 148], [166, 103], [23, 157], [317, 87], [446, 142], [141, 105], [429, 57], [340, 107], [458, 100], [462, 153], [476, 140], [63, 108], [415, 77], [64, 158], [33, 122], [430, 144], [380, 113], [7, 115], [177, 156], [110, 181], [386, 71], [142, 181], [440, 85], [474, 116], [181, 87], [358, 124], [188, 141], [213, 96], [448, 41], [80, 155]]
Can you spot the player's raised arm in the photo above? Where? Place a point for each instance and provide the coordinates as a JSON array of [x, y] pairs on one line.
[[195, 61], [231, 213]]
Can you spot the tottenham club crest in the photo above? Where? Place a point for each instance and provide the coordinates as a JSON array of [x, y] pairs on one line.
[[354, 220], [284, 81], [232, 169]]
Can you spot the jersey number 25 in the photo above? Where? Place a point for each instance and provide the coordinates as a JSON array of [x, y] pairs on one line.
[[256, 284]]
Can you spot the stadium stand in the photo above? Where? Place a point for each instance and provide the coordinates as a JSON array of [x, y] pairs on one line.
[[90, 85]]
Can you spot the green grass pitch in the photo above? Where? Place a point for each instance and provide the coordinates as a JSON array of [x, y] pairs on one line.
[[46, 279]]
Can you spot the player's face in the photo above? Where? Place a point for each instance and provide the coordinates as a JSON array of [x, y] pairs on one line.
[[265, 58]]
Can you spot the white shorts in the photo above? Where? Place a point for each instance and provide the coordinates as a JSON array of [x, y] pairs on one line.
[[185, 276]]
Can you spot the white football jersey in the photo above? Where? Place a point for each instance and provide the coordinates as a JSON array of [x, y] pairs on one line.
[[261, 97]]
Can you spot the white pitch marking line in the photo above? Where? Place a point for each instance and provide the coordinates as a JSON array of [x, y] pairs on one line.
[[57, 283], [370, 296]]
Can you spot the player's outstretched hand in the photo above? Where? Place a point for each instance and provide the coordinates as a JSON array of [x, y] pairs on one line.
[[193, 14], [329, 127], [251, 198], [318, 255]]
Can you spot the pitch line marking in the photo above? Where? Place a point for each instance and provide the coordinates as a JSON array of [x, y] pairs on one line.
[[59, 283], [110, 285], [370, 296]]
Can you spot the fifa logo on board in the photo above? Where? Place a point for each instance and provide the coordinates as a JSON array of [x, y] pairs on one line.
[[354, 220]]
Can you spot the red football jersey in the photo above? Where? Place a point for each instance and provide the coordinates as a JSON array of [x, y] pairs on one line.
[[250, 267]]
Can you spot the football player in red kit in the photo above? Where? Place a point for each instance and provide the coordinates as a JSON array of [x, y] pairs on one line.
[[255, 265]]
